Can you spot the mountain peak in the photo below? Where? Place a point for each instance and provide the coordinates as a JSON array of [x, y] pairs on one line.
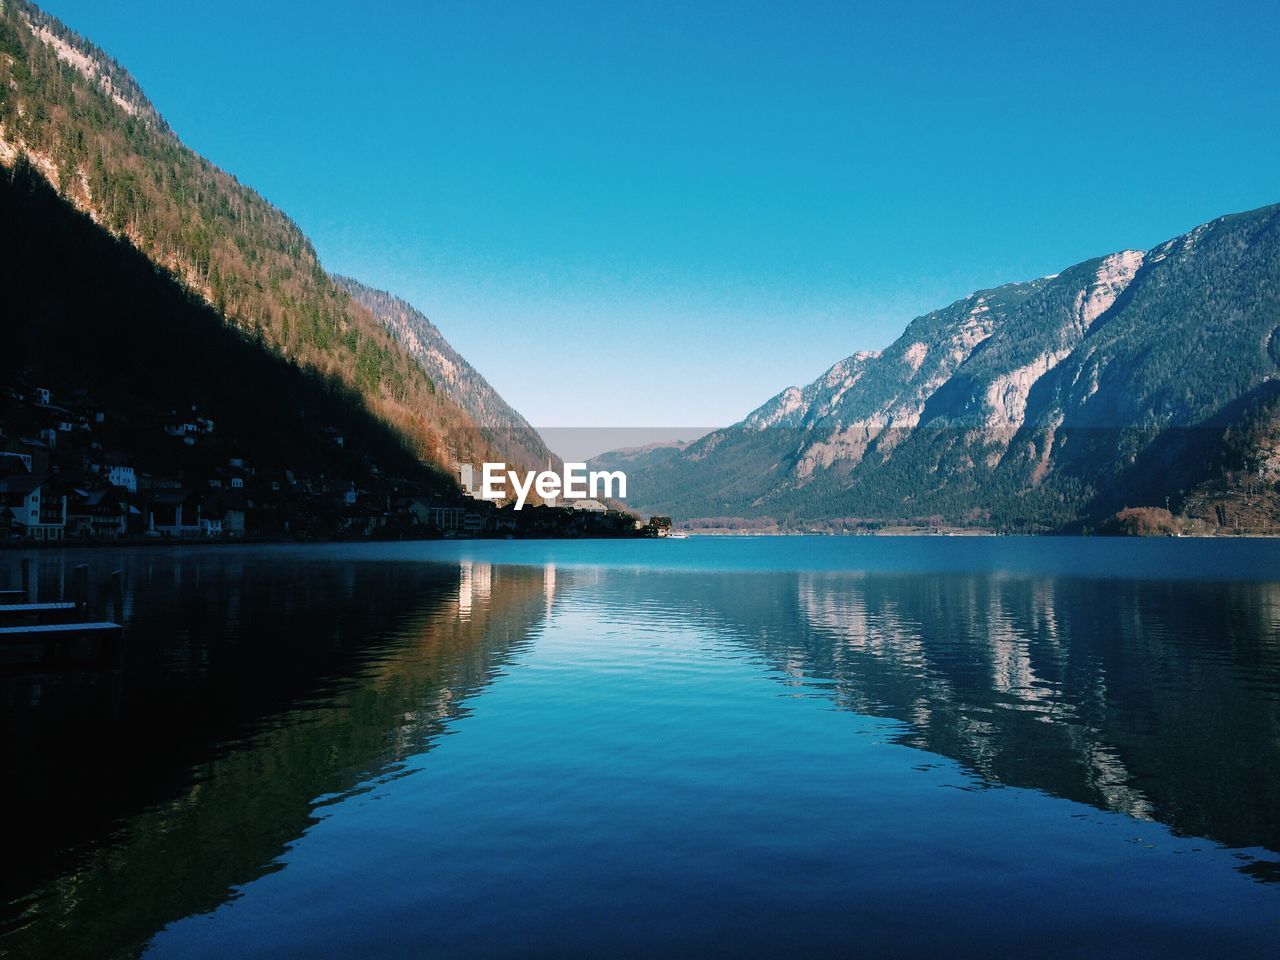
[[1034, 404]]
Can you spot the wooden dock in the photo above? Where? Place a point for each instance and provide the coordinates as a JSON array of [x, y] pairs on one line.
[[35, 609], [62, 644], [58, 633]]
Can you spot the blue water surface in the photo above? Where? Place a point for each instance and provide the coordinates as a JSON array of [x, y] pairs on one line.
[[709, 747]]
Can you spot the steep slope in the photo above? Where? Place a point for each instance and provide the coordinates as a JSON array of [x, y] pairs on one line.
[[453, 375], [1031, 406], [1243, 491], [86, 313], [1191, 345], [80, 119]]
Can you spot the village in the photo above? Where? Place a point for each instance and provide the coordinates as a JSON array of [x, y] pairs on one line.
[[61, 479]]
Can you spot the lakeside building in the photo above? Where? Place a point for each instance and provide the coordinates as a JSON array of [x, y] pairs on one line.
[[65, 474], [31, 507]]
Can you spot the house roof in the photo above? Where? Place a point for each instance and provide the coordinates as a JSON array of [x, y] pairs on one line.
[[104, 496]]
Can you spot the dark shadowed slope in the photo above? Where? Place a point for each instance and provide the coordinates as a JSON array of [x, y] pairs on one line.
[[76, 116]]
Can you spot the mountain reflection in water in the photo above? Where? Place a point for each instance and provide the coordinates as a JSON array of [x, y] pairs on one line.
[[252, 697], [1154, 699], [265, 691]]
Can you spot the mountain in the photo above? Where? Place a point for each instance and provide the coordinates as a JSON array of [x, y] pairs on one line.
[[1125, 380], [89, 317], [453, 375], [76, 116], [646, 455]]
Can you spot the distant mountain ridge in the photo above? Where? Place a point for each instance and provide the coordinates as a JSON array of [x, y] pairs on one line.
[[1036, 405], [452, 374], [647, 454], [78, 117]]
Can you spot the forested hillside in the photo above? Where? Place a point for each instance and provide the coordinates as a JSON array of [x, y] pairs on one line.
[[80, 120], [454, 377], [1135, 379], [86, 314]]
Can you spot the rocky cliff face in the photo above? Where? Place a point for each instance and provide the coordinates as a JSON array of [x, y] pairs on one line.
[[1032, 405]]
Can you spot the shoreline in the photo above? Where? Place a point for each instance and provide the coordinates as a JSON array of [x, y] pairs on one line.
[[18, 546]]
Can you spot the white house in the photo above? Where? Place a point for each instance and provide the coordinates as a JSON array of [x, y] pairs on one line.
[[444, 516], [122, 476], [38, 512], [594, 506]]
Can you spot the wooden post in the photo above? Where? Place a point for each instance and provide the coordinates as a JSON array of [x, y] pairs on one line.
[[26, 581]]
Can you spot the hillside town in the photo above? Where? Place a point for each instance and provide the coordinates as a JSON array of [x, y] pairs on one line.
[[62, 480]]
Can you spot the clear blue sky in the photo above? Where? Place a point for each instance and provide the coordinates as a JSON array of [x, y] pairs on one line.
[[661, 214]]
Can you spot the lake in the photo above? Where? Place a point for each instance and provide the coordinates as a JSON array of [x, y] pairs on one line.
[[706, 747]]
